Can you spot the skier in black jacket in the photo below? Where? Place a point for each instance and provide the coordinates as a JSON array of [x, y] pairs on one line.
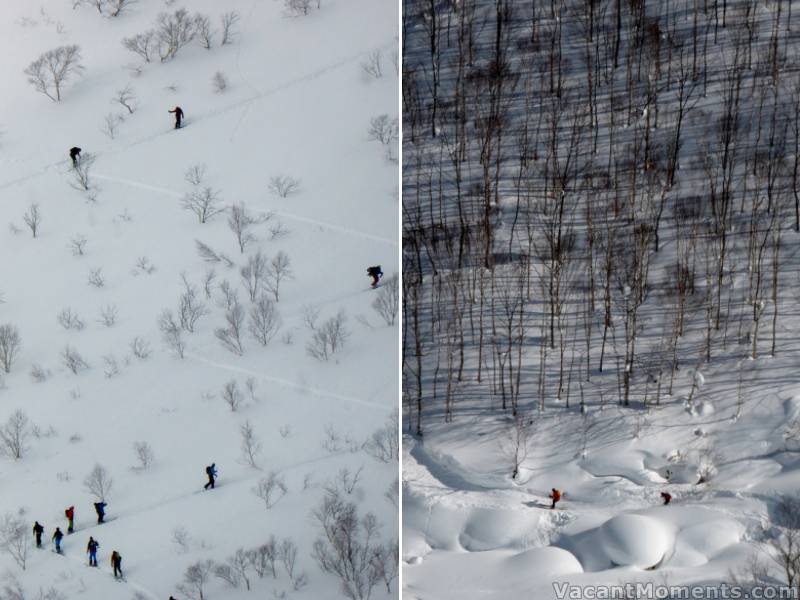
[[38, 530], [178, 116]]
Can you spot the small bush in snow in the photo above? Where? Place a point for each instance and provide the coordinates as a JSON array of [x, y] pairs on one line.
[[387, 303], [14, 540], [78, 245], [283, 185], [38, 373], [33, 218], [14, 435], [195, 579], [70, 320], [251, 446], [298, 8], [384, 444], [271, 489], [144, 455], [230, 336], [96, 278], [108, 315], [372, 65], [171, 332], [10, 344], [219, 82], [99, 482], [231, 395], [126, 97], [328, 338], [140, 348], [111, 123], [181, 539]]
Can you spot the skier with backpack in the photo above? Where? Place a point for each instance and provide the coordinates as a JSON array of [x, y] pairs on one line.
[[375, 273], [178, 116], [75, 155], [57, 536], [38, 530], [100, 509], [116, 564], [91, 549], [667, 497], [555, 496], [211, 471], [70, 514]]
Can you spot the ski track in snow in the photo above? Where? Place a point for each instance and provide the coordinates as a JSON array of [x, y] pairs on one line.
[[286, 383], [285, 215]]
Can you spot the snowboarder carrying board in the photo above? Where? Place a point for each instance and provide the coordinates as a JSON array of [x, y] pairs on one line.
[[211, 471], [38, 530], [91, 549], [667, 497], [116, 563], [57, 539], [70, 514], [178, 116], [375, 273], [75, 155], [555, 496], [100, 509]]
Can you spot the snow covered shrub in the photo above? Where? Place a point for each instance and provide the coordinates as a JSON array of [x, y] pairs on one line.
[[108, 315], [231, 395], [347, 546], [73, 360], [271, 489], [328, 338], [144, 455], [70, 320], [171, 332], [38, 373], [173, 32], [240, 222], [33, 218], [264, 320], [142, 44], [10, 344], [110, 366], [78, 245], [278, 269], [181, 539], [140, 348], [96, 278], [264, 557], [99, 482], [111, 123], [383, 129], [230, 336], [344, 481], [14, 435], [387, 302], [384, 444], [53, 69], [190, 308], [283, 185], [109, 8], [205, 32], [298, 8]]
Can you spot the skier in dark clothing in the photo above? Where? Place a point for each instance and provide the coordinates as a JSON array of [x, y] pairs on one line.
[[178, 116], [555, 496], [38, 530], [667, 497], [375, 273], [116, 563], [57, 539], [75, 155], [100, 509], [211, 471], [91, 549], [70, 514]]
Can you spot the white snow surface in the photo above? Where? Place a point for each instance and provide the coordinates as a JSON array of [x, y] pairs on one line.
[[298, 104]]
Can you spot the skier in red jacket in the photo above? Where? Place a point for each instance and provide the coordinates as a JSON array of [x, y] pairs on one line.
[[667, 497], [555, 496], [70, 514]]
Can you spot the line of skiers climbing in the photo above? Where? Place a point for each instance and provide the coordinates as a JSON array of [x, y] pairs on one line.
[[555, 496], [93, 545]]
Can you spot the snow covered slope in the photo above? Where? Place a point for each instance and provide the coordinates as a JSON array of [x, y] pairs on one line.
[[297, 104]]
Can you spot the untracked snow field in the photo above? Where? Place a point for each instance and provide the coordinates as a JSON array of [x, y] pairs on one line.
[[106, 262]]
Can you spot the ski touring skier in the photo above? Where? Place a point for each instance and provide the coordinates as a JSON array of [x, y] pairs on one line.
[[100, 509], [70, 514], [57, 536], [178, 116], [116, 564], [38, 530], [75, 155], [667, 497], [211, 471], [555, 496], [376, 273], [91, 550]]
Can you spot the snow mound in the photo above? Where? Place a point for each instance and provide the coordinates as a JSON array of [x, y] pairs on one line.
[[634, 540], [487, 529], [545, 563]]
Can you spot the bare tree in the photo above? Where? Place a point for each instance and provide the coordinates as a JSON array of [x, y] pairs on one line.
[[195, 579], [69, 319], [81, 173], [173, 32], [270, 489], [10, 344], [181, 539], [264, 557], [14, 435], [99, 482], [143, 44], [347, 546], [240, 223], [171, 332], [383, 129], [283, 185], [386, 561], [516, 444], [33, 218], [231, 395], [785, 543], [230, 336], [190, 308], [251, 446], [73, 360], [53, 69], [111, 123], [254, 274], [203, 202], [115, 8], [297, 8], [387, 303], [14, 538], [328, 338], [287, 552], [235, 569], [384, 443], [126, 97], [264, 320], [279, 268], [144, 455], [205, 32], [228, 22], [372, 65]]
